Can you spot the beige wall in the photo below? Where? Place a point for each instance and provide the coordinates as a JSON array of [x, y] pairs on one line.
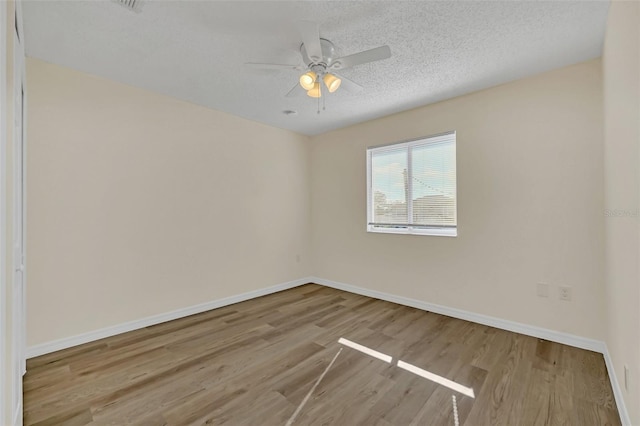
[[621, 63], [530, 191], [140, 204]]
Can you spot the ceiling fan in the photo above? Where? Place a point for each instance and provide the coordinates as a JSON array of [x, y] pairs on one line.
[[321, 63]]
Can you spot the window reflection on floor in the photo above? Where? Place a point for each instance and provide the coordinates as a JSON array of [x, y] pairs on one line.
[[410, 368]]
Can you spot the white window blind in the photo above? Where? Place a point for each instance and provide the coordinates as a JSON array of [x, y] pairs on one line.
[[411, 187]]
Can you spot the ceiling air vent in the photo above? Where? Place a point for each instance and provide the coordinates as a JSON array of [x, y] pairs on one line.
[[132, 5]]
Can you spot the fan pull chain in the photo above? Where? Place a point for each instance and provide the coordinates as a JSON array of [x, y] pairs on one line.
[[319, 93], [324, 106]]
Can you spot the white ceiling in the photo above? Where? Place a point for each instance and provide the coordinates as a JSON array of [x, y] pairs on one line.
[[195, 50]]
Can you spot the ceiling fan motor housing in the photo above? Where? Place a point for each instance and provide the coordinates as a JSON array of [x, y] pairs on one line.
[[328, 55]]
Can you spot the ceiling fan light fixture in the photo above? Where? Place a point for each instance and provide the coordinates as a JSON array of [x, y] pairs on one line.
[[315, 92], [332, 82], [308, 80]]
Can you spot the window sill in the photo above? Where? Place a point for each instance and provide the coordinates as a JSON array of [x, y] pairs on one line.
[[435, 232]]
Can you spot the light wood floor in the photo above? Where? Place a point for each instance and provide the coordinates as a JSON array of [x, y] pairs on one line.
[[254, 363]]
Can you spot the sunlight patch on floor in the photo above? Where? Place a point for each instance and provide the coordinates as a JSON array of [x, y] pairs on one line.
[[410, 368], [365, 350]]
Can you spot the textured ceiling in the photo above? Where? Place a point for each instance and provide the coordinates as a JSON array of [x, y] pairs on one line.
[[195, 50]]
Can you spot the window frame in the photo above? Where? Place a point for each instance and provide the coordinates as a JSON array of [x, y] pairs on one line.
[[433, 230]]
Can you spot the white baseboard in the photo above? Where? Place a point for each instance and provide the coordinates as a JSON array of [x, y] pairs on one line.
[[529, 330], [68, 342], [617, 390]]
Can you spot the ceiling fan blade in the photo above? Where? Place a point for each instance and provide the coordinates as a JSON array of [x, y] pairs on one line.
[[297, 90], [274, 66], [349, 85], [377, 54], [310, 34]]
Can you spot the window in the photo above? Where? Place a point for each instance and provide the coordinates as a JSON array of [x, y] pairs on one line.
[[411, 187]]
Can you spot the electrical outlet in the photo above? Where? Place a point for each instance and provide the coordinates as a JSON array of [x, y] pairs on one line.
[[543, 290], [297, 258], [565, 293], [626, 378]]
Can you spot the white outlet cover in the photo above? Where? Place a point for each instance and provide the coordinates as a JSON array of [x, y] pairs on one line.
[[543, 290], [626, 377], [565, 293]]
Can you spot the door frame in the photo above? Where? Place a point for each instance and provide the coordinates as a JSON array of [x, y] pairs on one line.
[[19, 192], [4, 367], [20, 167]]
